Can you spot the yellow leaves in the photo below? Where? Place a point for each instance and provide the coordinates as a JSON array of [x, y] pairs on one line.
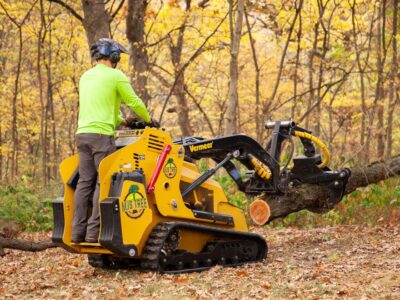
[[357, 116]]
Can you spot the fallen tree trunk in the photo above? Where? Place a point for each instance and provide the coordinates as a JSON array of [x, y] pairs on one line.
[[315, 198], [24, 245]]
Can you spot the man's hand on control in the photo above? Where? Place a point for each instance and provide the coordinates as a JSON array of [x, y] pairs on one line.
[[129, 122], [154, 123], [135, 123]]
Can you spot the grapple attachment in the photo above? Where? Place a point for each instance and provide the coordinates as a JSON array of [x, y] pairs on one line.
[[264, 171]]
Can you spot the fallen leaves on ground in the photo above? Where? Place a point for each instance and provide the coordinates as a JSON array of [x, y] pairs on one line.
[[341, 262]]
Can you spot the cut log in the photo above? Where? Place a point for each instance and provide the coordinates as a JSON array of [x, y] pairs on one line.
[[259, 212], [314, 198]]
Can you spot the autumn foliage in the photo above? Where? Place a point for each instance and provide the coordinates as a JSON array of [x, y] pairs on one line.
[[331, 65]]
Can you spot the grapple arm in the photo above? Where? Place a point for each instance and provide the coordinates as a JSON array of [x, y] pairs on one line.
[[265, 174]]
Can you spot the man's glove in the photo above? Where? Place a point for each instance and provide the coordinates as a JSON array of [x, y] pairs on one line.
[[129, 121], [154, 123], [134, 123]]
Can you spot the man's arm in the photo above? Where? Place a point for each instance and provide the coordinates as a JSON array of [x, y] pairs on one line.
[[130, 98], [120, 120]]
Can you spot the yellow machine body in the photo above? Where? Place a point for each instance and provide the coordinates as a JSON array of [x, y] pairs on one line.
[[138, 212], [158, 210]]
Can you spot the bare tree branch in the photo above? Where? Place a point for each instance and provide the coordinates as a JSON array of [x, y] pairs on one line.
[[329, 86], [112, 16], [196, 54], [31, 246], [203, 3], [282, 61], [69, 8], [201, 110], [14, 20]]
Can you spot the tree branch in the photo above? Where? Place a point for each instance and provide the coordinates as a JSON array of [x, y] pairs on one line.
[[112, 16], [197, 52], [14, 19], [203, 3], [69, 8], [282, 61], [31, 246], [201, 110]]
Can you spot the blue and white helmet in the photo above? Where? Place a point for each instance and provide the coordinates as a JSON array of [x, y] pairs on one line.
[[107, 48]]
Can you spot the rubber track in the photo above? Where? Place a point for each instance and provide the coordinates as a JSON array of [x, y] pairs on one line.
[[150, 260]]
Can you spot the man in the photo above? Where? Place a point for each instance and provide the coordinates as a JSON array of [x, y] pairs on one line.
[[100, 92]]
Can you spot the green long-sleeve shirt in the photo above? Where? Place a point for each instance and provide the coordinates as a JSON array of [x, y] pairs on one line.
[[100, 92]]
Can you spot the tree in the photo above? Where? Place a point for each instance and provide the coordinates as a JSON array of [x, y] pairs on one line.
[[230, 117], [393, 84], [97, 18], [15, 140], [135, 32]]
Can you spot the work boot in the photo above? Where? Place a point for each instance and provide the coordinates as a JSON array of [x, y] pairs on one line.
[[91, 238], [77, 239]]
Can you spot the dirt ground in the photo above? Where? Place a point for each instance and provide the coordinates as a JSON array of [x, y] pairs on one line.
[[344, 262]]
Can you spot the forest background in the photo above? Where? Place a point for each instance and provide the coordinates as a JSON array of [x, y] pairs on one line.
[[204, 68]]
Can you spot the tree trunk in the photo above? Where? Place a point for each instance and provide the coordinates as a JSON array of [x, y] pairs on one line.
[[314, 197], [14, 161], [310, 65], [179, 70], [322, 55], [259, 119], [135, 32], [393, 73], [53, 171], [41, 36], [183, 108], [296, 68], [283, 56], [3, 42], [96, 21], [379, 100], [1, 153], [362, 83], [232, 103]]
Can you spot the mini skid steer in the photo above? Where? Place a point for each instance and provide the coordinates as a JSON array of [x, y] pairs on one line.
[[159, 213]]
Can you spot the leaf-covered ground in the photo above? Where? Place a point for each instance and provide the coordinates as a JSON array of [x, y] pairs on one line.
[[337, 262]]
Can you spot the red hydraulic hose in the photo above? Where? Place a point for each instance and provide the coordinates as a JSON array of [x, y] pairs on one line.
[[166, 150]]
